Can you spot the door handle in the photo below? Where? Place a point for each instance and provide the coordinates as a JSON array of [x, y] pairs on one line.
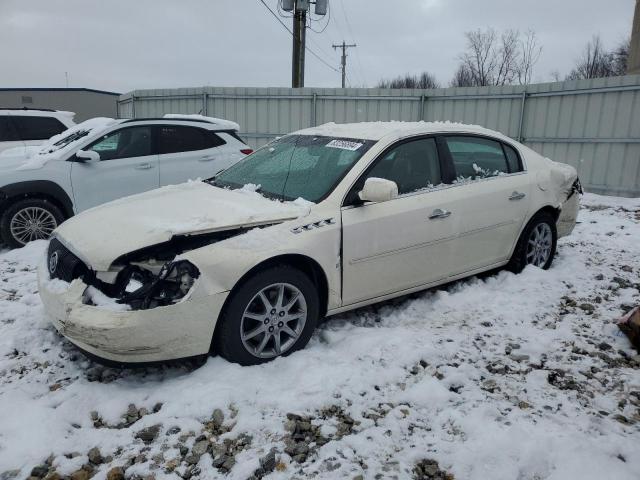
[[144, 166], [517, 196], [439, 213], [205, 159]]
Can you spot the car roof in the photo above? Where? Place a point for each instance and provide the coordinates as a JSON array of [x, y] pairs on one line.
[[210, 123], [394, 129]]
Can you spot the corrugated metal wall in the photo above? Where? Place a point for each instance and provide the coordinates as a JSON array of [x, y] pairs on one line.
[[593, 125]]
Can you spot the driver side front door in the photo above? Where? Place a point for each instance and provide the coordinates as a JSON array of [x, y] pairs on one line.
[[404, 243]]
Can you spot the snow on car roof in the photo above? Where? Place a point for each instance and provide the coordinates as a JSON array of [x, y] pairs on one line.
[[225, 124], [379, 130]]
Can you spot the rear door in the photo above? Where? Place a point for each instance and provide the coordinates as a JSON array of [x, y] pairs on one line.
[[8, 135], [188, 153], [402, 243], [128, 165], [492, 188]]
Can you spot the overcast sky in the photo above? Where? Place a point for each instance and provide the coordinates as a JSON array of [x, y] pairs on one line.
[[121, 45]]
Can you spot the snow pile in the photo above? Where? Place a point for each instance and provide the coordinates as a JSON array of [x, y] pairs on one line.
[[505, 377]]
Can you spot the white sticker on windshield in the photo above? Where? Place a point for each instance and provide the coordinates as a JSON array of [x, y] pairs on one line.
[[344, 144]]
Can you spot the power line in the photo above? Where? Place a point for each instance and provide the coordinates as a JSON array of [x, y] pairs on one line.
[[353, 37], [291, 33], [339, 29]]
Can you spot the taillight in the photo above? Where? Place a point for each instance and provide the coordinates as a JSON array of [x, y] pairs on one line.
[[246, 151]]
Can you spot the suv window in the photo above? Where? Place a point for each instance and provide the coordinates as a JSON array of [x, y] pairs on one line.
[[124, 143], [476, 157], [7, 132], [412, 165], [37, 128], [173, 139]]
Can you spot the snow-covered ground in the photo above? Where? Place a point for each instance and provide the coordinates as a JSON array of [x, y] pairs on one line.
[[506, 377]]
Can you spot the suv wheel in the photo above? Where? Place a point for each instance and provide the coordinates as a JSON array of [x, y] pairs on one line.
[[272, 314], [29, 219]]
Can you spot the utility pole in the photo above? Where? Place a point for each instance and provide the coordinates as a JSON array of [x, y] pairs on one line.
[[633, 66], [299, 39], [300, 9], [343, 64]]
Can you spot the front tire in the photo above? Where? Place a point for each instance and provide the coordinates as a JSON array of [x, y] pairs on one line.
[[536, 245], [29, 219], [272, 314]]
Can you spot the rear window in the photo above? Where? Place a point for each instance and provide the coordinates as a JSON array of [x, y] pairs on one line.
[[37, 128], [235, 135], [477, 157], [7, 132], [173, 139]]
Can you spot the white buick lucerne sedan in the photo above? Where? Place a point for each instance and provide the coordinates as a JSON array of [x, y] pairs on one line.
[[318, 222]]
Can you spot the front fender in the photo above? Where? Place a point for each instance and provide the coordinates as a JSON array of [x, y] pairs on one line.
[[224, 263]]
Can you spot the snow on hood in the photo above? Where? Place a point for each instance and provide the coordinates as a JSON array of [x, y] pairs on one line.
[[102, 234], [52, 149], [218, 121]]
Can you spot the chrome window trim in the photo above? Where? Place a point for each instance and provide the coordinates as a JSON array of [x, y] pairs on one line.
[[444, 186]]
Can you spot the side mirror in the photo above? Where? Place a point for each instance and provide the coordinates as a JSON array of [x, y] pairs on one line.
[[378, 190], [83, 155]]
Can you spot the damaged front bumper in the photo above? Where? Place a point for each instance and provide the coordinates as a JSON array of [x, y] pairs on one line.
[[163, 333]]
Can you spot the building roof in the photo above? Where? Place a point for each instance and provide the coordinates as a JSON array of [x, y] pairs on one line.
[[55, 89]]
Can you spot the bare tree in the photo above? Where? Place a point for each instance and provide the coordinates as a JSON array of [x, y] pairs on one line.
[[480, 58], [492, 59], [462, 78], [530, 52], [620, 57], [424, 80], [508, 58], [594, 62]]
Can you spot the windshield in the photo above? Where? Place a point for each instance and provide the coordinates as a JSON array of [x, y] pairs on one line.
[[296, 166], [78, 132]]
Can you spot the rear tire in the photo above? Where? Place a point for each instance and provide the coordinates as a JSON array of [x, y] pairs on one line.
[[536, 245], [272, 314], [29, 219]]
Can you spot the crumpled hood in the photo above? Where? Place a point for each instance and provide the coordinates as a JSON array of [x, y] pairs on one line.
[[102, 234]]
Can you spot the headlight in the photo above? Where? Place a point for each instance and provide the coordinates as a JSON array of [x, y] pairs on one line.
[[142, 290]]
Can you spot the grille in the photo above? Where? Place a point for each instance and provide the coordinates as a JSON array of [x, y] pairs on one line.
[[63, 264]]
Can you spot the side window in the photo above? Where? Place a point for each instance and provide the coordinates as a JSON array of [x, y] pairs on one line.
[[37, 128], [124, 143], [475, 157], [7, 132], [175, 139], [412, 165], [512, 159]]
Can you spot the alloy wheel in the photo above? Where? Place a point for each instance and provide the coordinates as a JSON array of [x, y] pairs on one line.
[[32, 223], [273, 320], [539, 245]]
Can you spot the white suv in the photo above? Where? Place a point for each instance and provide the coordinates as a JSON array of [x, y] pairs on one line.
[[103, 159], [21, 128]]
